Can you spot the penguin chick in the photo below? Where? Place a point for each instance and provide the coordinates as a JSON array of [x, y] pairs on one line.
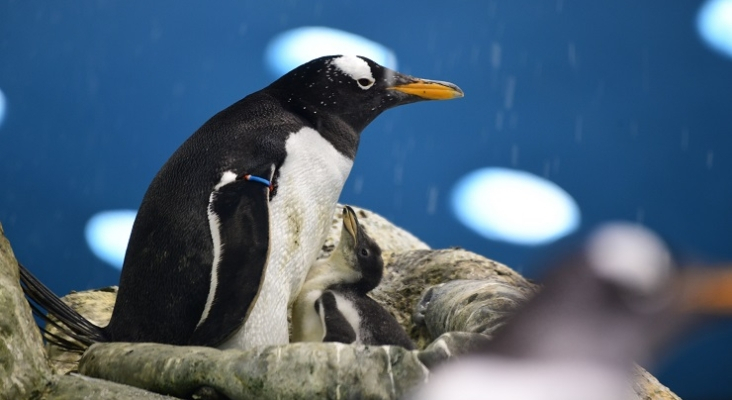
[[334, 306]]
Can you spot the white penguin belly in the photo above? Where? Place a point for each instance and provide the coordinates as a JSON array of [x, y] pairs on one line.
[[309, 184]]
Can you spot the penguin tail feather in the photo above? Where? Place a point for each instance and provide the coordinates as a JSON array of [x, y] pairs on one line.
[[80, 332]]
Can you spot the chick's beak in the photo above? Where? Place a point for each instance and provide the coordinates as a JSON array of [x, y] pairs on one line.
[[350, 222]]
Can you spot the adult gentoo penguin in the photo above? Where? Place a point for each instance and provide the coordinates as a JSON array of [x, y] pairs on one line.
[[297, 138], [333, 305]]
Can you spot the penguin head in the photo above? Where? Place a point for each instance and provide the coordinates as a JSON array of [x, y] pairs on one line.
[[630, 257], [353, 89], [361, 252]]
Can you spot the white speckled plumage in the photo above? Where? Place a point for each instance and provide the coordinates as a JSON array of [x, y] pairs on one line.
[[309, 184]]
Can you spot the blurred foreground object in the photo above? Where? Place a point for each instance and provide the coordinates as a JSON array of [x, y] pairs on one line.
[[615, 302]]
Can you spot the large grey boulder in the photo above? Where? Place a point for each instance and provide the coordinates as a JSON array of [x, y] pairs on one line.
[[299, 370], [294, 371], [462, 305], [24, 371], [77, 387], [410, 273]]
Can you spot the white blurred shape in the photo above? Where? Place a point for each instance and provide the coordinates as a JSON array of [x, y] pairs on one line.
[[496, 378], [297, 46], [3, 105], [631, 255], [107, 234], [714, 23], [514, 206]]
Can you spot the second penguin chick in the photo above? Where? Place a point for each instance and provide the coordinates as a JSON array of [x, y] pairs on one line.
[[333, 305]]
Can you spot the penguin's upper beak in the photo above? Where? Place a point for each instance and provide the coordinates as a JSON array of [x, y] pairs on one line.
[[427, 89], [350, 222]]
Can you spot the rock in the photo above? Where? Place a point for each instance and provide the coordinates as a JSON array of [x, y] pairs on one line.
[[74, 387], [295, 371], [24, 372], [479, 306], [96, 306], [647, 387], [410, 273], [333, 370], [450, 345]]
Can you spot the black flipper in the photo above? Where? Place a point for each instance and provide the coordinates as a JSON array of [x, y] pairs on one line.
[[336, 326], [242, 208], [74, 324]]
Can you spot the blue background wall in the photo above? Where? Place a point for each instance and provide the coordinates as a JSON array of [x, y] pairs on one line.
[[620, 103]]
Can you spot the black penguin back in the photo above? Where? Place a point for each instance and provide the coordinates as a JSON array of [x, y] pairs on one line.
[[167, 270]]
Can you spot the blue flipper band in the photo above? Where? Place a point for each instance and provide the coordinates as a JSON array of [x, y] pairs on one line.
[[258, 179]]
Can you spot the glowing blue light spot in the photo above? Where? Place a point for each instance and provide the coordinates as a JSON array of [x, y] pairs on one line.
[[514, 206], [714, 22], [297, 46], [107, 234], [2, 107]]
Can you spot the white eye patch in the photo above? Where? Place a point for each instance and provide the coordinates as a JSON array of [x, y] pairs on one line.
[[356, 68]]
